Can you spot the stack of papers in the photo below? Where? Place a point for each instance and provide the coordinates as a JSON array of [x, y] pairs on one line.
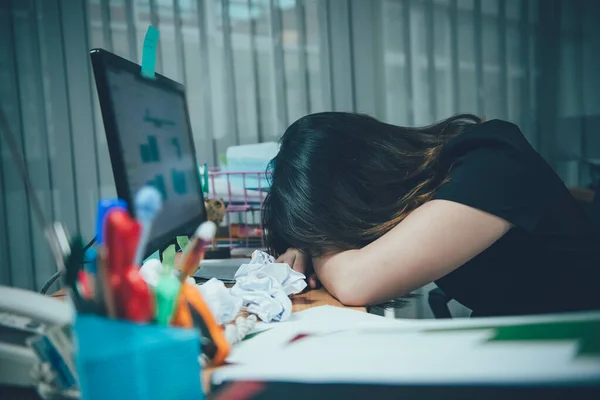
[[267, 341], [346, 346]]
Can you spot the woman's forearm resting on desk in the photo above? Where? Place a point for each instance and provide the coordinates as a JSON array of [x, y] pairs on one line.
[[432, 241]]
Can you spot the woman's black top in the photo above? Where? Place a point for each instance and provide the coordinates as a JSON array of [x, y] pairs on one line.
[[550, 260]]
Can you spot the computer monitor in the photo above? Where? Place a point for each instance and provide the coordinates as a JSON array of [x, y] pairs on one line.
[[150, 142]]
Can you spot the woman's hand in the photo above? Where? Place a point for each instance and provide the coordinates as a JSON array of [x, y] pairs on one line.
[[302, 263]]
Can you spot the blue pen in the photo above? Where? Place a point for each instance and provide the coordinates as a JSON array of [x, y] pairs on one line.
[[104, 206], [89, 261], [147, 203], [90, 268]]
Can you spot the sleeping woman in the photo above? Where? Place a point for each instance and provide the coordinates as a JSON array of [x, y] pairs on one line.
[[373, 211]]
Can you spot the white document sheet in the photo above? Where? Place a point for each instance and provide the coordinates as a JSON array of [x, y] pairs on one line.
[[324, 319], [349, 348], [465, 357]]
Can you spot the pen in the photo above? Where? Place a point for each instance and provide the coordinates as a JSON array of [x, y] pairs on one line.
[[194, 251], [166, 293], [168, 289], [72, 271], [193, 311], [148, 203], [130, 292], [103, 292], [84, 285], [90, 259], [121, 235]]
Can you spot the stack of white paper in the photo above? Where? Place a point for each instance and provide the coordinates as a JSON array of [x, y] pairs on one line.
[[325, 319], [348, 348]]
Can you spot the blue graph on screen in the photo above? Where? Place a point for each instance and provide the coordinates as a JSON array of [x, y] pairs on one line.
[[159, 183], [149, 152], [175, 143], [179, 181], [157, 122]]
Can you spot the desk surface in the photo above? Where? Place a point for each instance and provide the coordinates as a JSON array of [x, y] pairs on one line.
[[316, 298], [302, 301]]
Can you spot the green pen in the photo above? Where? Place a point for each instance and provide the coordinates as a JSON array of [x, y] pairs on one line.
[[166, 293]]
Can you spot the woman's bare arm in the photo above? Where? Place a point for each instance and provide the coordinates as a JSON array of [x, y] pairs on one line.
[[431, 242]]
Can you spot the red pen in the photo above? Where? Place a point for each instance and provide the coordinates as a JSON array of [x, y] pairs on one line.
[[84, 285], [131, 295]]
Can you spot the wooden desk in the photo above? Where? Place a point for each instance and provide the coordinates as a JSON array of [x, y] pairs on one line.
[[302, 301], [316, 298]]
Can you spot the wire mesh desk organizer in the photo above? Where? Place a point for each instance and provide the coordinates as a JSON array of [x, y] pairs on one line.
[[243, 193]]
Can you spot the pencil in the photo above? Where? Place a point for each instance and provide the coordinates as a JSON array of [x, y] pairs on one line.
[[194, 251]]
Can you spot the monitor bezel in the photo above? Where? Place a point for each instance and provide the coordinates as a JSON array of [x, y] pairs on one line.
[[101, 61]]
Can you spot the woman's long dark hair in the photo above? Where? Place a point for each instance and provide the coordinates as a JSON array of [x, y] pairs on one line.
[[342, 180]]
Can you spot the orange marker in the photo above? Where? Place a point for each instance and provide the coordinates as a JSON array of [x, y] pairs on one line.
[[193, 312]]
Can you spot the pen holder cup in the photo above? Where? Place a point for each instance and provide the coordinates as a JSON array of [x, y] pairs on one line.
[[123, 360]]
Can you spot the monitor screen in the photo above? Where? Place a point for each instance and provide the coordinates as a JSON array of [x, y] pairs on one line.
[[152, 140]]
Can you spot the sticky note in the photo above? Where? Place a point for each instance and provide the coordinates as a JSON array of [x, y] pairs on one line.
[[168, 256], [149, 52], [183, 241]]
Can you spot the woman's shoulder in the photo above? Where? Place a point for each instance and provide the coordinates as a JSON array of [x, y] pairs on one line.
[[497, 128], [494, 135], [493, 168]]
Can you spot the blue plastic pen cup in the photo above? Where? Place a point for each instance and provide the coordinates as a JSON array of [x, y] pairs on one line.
[[123, 360]]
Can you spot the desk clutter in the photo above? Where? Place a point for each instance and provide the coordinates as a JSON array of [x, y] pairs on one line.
[[143, 330], [154, 317], [262, 287], [124, 325], [149, 330]]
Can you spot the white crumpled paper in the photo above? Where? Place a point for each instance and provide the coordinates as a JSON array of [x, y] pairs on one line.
[[261, 258], [265, 287], [262, 286], [223, 304], [151, 270]]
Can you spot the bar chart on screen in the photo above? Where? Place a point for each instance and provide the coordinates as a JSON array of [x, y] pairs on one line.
[[177, 146], [149, 151], [179, 181], [156, 121], [159, 183]]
